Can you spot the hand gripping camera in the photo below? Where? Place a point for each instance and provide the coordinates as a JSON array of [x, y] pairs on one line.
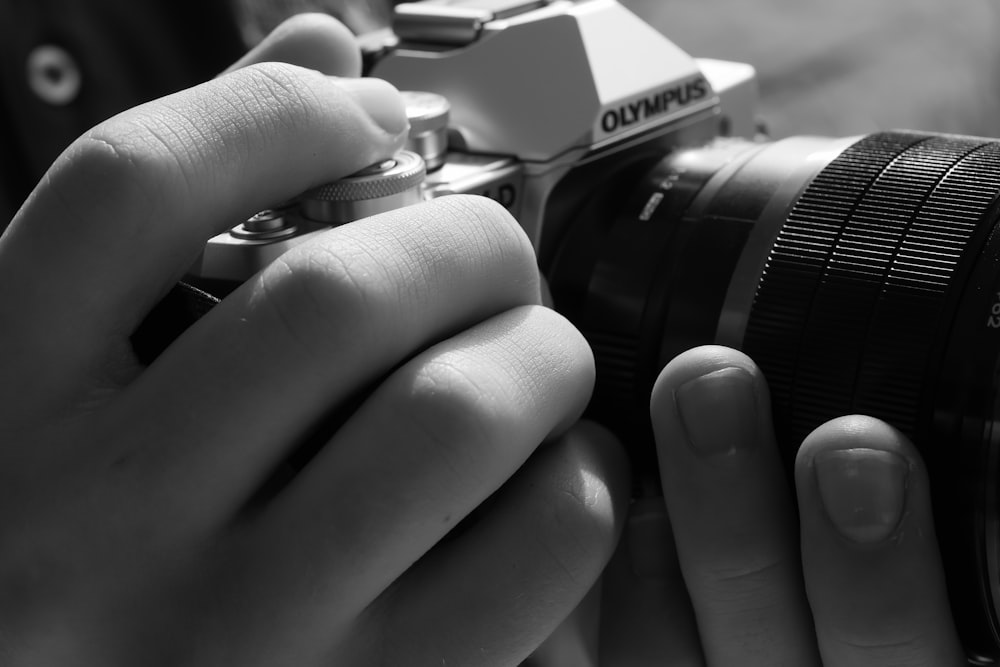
[[861, 274]]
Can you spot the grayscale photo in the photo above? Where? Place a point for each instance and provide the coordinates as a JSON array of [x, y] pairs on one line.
[[499, 333]]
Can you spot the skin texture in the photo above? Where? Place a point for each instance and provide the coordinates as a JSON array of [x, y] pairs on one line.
[[854, 579], [453, 512], [140, 520]]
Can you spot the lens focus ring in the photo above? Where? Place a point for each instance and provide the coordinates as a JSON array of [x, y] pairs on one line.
[[864, 276]]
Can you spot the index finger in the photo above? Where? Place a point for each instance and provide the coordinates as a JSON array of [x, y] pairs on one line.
[[126, 209]]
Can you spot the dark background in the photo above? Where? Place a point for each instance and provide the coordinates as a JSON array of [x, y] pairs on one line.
[[844, 67]]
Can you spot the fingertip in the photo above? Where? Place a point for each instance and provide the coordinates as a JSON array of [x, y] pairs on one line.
[[381, 101], [694, 363], [605, 467], [573, 361], [587, 477], [851, 438], [483, 219], [854, 430], [714, 398], [863, 491], [346, 124], [729, 507], [313, 40], [867, 534]]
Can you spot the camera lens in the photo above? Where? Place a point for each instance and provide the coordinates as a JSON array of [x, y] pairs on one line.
[[862, 275]]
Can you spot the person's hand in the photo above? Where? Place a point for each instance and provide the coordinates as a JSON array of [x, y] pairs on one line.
[[733, 577], [142, 519]]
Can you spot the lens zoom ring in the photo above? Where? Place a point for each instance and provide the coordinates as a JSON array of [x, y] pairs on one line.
[[615, 358], [795, 266], [850, 304]]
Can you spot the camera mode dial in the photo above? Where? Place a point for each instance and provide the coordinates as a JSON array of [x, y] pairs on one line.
[[387, 185]]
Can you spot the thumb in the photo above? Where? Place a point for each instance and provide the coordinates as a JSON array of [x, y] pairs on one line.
[[315, 41]]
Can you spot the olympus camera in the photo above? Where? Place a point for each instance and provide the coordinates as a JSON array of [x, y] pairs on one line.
[[861, 274]]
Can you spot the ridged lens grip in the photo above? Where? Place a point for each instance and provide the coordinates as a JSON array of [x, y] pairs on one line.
[[857, 298]]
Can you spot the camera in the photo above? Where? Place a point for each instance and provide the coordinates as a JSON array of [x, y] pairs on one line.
[[862, 274], [510, 99]]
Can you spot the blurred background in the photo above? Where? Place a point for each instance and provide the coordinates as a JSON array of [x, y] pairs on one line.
[[840, 67], [835, 68], [852, 66]]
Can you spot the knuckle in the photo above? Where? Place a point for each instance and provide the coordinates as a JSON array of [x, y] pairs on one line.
[[457, 414], [458, 245], [495, 392], [491, 227], [549, 363], [539, 359], [196, 141], [891, 648], [320, 301], [554, 353], [740, 588], [165, 153], [365, 277], [122, 160]]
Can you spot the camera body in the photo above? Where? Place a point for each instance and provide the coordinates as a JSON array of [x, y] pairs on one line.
[[861, 274], [533, 103], [542, 98]]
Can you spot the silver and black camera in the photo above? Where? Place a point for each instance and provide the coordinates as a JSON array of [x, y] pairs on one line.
[[861, 274], [514, 96]]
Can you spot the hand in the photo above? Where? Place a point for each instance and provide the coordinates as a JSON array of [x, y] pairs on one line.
[[142, 519], [727, 579]]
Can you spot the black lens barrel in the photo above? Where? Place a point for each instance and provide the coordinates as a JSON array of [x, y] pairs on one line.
[[865, 280], [876, 298]]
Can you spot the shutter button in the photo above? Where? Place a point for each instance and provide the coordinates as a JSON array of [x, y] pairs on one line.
[[428, 114]]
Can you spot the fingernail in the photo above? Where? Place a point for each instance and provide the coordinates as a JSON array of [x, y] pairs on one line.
[[863, 491], [380, 100], [718, 412]]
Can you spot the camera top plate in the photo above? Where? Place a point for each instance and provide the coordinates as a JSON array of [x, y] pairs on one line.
[[538, 79]]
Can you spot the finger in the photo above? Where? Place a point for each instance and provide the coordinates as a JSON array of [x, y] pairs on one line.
[[871, 562], [313, 40], [646, 615], [315, 331], [731, 510], [493, 594], [127, 208], [441, 435]]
